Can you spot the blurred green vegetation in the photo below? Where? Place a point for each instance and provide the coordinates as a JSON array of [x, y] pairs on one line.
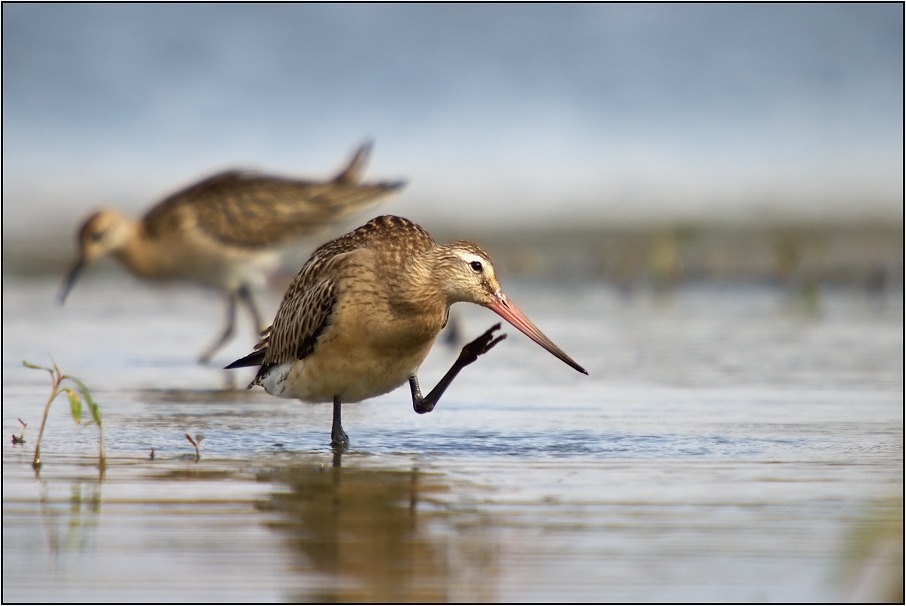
[[800, 257]]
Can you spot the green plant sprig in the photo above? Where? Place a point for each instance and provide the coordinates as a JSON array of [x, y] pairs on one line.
[[75, 406]]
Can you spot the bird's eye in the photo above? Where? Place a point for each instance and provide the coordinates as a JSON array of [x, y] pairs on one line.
[[97, 236], [476, 266]]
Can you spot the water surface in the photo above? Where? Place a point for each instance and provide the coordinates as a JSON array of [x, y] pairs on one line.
[[730, 443]]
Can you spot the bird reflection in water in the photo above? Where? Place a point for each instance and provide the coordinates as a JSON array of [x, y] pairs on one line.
[[381, 535]]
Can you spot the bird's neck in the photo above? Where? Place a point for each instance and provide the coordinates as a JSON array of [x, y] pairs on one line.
[[142, 254], [417, 294]]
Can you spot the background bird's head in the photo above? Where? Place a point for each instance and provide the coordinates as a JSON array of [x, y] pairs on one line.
[[102, 233]]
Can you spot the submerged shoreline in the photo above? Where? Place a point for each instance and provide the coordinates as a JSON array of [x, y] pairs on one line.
[[868, 255]]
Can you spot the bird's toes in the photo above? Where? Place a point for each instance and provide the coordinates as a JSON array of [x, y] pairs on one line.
[[339, 441], [493, 343], [482, 344]]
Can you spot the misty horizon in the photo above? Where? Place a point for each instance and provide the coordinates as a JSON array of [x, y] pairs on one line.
[[497, 115]]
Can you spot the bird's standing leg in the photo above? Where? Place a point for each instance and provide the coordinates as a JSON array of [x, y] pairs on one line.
[[245, 296], [338, 437], [228, 328], [469, 354]]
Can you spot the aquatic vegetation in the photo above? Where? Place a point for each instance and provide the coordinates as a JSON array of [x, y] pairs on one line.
[[196, 443], [75, 406], [20, 439]]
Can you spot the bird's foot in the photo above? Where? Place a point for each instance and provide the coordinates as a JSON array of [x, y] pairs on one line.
[[339, 440], [480, 346]]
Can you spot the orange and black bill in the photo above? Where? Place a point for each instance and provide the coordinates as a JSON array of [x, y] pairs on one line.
[[506, 310]]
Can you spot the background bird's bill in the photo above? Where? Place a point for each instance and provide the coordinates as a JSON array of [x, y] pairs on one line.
[[506, 310], [71, 278]]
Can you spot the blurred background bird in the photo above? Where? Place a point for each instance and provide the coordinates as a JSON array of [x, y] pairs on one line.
[[227, 231]]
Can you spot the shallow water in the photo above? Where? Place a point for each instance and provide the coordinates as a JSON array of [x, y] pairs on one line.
[[730, 443]]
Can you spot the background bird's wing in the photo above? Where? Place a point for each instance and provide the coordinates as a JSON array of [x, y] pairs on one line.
[[250, 210]]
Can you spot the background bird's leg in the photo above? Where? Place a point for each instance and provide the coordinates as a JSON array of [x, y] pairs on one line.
[[453, 331], [338, 437], [245, 296], [469, 354], [227, 330]]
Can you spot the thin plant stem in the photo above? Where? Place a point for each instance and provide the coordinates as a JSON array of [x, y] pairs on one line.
[[57, 378], [36, 463]]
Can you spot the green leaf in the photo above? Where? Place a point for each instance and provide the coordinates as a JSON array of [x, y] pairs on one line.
[[24, 363], [75, 404], [92, 405], [53, 377]]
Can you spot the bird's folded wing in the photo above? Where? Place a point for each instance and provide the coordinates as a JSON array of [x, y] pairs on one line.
[[251, 210]]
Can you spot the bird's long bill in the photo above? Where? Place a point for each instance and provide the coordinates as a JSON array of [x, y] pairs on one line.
[[71, 278], [506, 310]]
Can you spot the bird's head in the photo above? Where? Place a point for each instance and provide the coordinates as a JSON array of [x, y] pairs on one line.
[[467, 274], [102, 233]]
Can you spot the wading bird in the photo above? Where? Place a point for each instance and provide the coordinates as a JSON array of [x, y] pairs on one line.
[[227, 231], [365, 309]]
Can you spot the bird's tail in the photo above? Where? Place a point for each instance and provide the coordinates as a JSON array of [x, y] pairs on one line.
[[356, 168], [256, 358]]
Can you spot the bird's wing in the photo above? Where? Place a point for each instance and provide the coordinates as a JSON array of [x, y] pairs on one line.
[[306, 308], [251, 210], [302, 318]]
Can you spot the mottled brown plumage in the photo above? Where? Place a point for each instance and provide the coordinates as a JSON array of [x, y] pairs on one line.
[[228, 230], [364, 311], [260, 211], [307, 305]]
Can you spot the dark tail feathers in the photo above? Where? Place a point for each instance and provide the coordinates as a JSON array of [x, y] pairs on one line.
[[256, 358], [353, 172]]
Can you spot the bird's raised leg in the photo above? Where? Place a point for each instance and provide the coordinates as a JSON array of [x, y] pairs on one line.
[[469, 354], [338, 438], [228, 328], [245, 297]]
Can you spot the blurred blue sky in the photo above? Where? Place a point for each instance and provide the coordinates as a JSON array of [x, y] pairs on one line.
[[496, 114]]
